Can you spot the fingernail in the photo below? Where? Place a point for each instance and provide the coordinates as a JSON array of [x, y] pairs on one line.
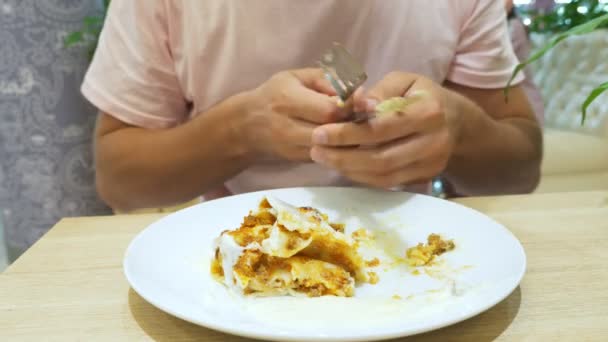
[[370, 105], [319, 137]]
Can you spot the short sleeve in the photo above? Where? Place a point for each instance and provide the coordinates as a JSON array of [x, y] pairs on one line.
[[132, 76], [484, 56]]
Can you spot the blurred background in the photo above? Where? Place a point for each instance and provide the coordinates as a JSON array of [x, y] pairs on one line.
[[576, 155], [46, 167]]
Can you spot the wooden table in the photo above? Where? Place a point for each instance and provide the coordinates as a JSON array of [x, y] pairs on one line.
[[70, 285]]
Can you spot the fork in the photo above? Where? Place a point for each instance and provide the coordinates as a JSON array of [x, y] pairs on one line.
[[345, 75]]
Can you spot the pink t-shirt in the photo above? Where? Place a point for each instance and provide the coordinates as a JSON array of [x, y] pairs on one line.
[[161, 62]]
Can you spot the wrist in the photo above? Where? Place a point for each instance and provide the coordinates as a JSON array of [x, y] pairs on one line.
[[453, 114], [224, 126], [239, 125]]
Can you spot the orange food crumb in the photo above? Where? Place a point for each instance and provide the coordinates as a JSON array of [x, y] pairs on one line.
[[422, 254], [373, 263], [373, 277], [362, 234]]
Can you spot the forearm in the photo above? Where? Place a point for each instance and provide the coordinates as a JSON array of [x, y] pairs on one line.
[[492, 155], [141, 168]]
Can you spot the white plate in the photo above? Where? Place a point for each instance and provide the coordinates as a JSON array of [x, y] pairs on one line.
[[168, 265]]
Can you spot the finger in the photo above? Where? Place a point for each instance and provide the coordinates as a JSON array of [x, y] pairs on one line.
[[362, 103], [308, 105], [383, 159], [394, 84], [297, 154], [421, 117], [297, 132], [309, 77], [324, 87], [346, 107], [408, 176], [315, 79], [371, 132], [419, 171], [413, 87]]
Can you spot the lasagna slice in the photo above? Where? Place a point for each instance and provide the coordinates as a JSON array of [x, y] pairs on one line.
[[284, 250]]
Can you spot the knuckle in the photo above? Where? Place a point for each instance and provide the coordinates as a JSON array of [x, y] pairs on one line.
[[303, 154], [278, 134], [434, 151], [375, 183], [282, 75], [373, 180], [279, 100], [433, 167], [327, 115], [293, 155], [422, 179], [445, 138], [395, 178], [434, 110], [435, 107], [442, 164], [395, 75], [435, 146], [384, 163], [335, 161], [377, 163], [383, 179], [338, 136], [389, 180], [442, 143], [274, 81]]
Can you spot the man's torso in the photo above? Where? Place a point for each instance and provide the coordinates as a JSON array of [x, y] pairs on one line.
[[221, 48]]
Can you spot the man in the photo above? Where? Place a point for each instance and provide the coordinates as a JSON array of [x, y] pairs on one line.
[[195, 95]]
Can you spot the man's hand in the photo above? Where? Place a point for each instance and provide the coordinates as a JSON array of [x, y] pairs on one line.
[[404, 148], [282, 113], [275, 120]]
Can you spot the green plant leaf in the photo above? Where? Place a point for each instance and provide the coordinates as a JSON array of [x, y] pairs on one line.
[[73, 38], [578, 30], [92, 23], [90, 31], [592, 96], [90, 20]]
